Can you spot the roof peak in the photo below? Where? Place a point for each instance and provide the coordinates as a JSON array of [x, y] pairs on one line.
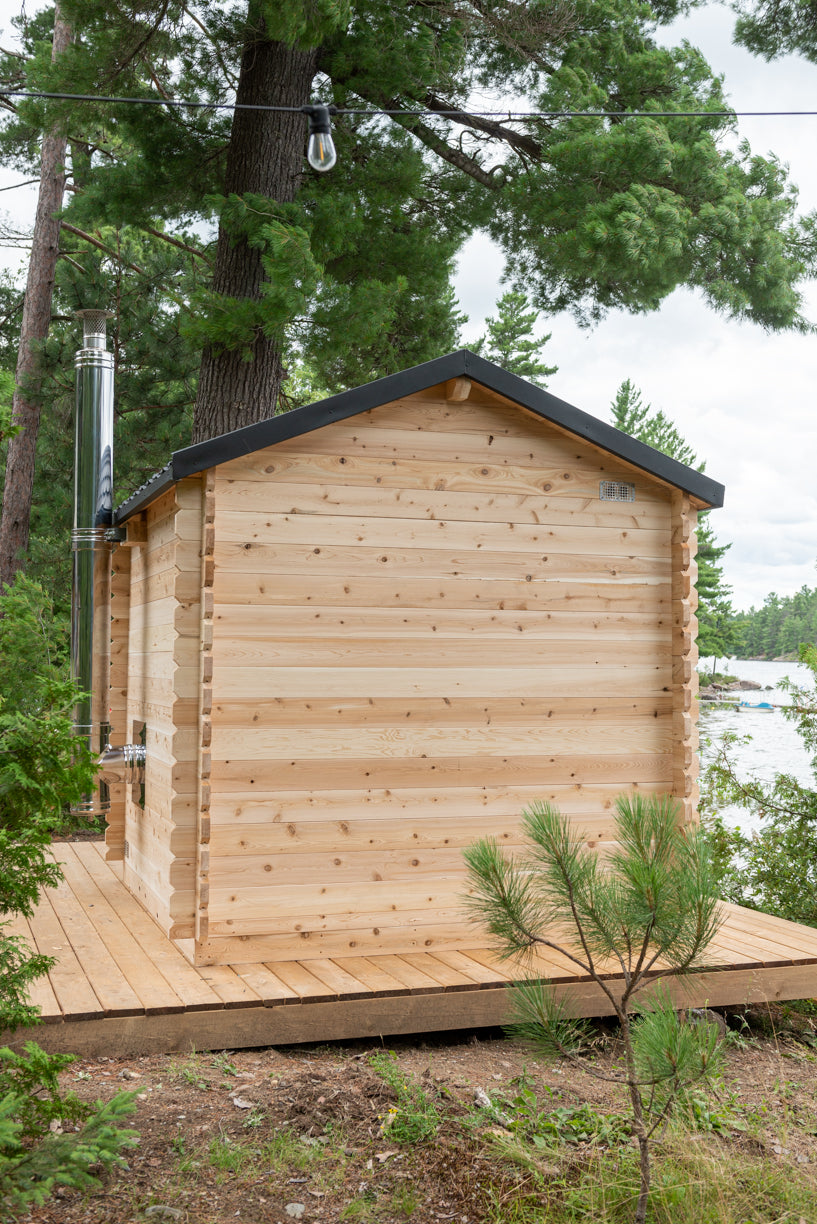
[[462, 363]]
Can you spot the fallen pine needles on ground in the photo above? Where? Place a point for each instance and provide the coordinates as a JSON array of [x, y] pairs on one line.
[[452, 1127]]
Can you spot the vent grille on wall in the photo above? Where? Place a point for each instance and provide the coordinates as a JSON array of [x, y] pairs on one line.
[[616, 490]]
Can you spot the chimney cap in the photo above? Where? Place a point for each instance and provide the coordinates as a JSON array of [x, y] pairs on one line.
[[94, 326]]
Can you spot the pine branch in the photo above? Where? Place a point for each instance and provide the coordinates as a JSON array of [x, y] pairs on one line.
[[231, 79], [101, 246], [73, 262], [181, 245], [455, 157], [518, 141], [140, 45], [123, 263]]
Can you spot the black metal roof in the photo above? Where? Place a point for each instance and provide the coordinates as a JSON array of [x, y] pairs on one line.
[[455, 365]]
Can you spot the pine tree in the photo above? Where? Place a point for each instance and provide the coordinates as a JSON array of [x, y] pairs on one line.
[[649, 909], [509, 342], [36, 318], [348, 274], [591, 215]]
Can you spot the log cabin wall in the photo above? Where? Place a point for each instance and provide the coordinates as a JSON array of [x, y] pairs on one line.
[[423, 618], [120, 620], [162, 694], [685, 655]]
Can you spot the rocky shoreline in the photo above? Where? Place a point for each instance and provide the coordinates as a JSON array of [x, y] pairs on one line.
[[718, 692]]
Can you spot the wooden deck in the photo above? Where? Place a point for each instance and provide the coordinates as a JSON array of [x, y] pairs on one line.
[[119, 987]]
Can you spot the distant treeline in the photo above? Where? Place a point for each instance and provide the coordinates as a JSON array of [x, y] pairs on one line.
[[778, 627]]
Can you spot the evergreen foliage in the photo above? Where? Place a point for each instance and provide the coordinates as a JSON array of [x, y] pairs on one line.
[[773, 28], [29, 1171], [348, 275], [775, 869], [717, 632], [779, 627], [356, 266], [649, 910], [509, 341], [43, 767]]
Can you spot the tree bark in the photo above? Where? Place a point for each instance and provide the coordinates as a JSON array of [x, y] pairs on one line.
[[265, 157], [19, 482]]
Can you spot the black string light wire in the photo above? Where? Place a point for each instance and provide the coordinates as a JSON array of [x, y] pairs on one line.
[[321, 150], [507, 115]]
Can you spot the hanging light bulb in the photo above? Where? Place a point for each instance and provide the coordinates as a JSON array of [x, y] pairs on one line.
[[320, 151]]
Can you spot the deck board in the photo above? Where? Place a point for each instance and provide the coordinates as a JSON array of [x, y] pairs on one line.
[[153, 991], [119, 986]]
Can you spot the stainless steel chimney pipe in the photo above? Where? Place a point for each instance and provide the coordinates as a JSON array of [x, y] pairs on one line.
[[91, 586]]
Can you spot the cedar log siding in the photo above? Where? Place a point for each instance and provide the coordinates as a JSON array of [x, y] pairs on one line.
[[163, 692], [423, 619]]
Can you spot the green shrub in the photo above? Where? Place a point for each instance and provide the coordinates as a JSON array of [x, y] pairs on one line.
[[43, 769]]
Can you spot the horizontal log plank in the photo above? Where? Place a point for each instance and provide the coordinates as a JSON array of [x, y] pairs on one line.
[[345, 840], [355, 712], [248, 683], [313, 869], [443, 932], [249, 743], [240, 527], [270, 623], [395, 500], [553, 563], [289, 808], [445, 652], [530, 771], [298, 464], [305, 590], [579, 462]]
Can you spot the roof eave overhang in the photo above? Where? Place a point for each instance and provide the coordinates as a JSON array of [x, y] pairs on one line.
[[203, 455]]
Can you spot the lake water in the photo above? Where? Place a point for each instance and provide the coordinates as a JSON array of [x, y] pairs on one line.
[[774, 745]]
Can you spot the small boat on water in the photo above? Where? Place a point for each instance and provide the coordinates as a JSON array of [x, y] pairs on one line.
[[762, 706]]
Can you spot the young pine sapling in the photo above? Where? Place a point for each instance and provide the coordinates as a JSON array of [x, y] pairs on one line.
[[628, 922]]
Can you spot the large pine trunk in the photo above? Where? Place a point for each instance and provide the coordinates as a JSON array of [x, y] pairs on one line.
[[19, 482], [265, 157]]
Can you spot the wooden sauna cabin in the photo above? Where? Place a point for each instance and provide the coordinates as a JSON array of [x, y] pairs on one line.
[[355, 637]]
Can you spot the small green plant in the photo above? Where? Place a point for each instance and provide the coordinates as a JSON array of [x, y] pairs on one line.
[[229, 1156], [569, 1124], [222, 1063], [190, 1072], [702, 1113], [286, 1150], [362, 1207], [650, 908], [405, 1200], [415, 1118], [30, 1171], [254, 1118]]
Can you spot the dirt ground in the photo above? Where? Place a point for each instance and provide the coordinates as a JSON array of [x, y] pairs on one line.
[[273, 1135]]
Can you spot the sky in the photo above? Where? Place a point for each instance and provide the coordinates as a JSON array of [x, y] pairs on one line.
[[744, 399]]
